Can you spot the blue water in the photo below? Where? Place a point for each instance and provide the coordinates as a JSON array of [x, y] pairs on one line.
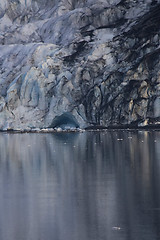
[[80, 186]]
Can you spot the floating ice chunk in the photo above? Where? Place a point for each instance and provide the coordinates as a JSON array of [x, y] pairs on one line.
[[116, 228]]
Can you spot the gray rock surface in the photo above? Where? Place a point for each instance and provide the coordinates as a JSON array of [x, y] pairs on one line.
[[96, 59]]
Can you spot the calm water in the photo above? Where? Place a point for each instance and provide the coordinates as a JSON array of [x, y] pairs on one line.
[[80, 186]]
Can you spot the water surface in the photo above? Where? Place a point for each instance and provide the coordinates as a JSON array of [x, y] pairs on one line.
[[80, 186]]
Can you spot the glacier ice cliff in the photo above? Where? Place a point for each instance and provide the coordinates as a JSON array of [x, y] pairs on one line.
[[98, 60]]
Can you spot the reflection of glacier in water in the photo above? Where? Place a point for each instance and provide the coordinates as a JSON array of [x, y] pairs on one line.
[[71, 186]]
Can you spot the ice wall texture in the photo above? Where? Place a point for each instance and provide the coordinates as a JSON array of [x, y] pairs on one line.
[[98, 60]]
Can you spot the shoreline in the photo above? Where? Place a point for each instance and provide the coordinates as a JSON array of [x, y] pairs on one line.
[[87, 129]]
